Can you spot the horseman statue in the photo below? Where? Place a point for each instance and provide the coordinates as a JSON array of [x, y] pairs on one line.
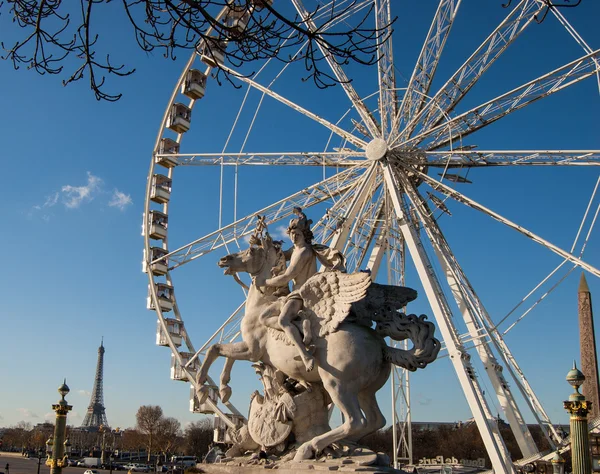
[[321, 343]]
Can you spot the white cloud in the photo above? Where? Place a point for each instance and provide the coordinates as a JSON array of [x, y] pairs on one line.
[[75, 195], [50, 416], [49, 202], [25, 412], [72, 197], [279, 233], [85, 393], [120, 200]]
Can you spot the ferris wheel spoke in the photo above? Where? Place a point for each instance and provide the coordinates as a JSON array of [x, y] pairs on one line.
[[367, 187], [334, 128], [493, 110], [362, 230], [342, 159], [424, 72], [483, 158], [388, 101], [573, 32], [448, 191], [453, 91], [339, 73], [379, 247], [375, 230], [311, 196], [326, 226]]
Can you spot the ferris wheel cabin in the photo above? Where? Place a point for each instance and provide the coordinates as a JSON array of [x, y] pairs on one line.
[[204, 408], [212, 51], [177, 368], [164, 295], [194, 85], [161, 189], [179, 118], [237, 19], [167, 147], [221, 434], [158, 222], [260, 4], [174, 329], [157, 268]]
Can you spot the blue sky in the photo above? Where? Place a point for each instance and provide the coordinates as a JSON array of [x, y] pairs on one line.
[[75, 172]]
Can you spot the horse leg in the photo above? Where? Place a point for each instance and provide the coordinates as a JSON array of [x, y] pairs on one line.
[[354, 420], [373, 416], [224, 388], [233, 351]]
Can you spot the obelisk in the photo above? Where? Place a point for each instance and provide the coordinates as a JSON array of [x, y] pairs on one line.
[[587, 347]]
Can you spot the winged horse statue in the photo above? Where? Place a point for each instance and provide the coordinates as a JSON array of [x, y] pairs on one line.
[[349, 316]]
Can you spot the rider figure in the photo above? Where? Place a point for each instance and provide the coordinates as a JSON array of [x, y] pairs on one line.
[[303, 265]]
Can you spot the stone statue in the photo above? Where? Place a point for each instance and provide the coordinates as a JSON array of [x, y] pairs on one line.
[[303, 265], [332, 311]]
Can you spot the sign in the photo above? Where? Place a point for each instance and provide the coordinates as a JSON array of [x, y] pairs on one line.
[[480, 462]]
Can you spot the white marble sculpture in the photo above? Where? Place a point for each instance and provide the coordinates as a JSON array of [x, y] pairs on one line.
[[316, 343]]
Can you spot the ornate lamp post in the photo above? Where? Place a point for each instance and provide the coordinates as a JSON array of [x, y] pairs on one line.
[[558, 464], [102, 430], [49, 445], [59, 459], [578, 407]]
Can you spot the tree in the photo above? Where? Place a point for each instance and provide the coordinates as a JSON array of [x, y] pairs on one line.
[[18, 436], [132, 440], [149, 419], [51, 32], [168, 435], [197, 437]]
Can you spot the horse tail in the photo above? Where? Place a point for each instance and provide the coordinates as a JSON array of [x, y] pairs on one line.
[[420, 331]]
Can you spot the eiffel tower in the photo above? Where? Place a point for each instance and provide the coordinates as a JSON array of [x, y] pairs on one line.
[[96, 416]]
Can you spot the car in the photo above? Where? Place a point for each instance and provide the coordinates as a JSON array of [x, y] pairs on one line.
[[91, 471], [135, 467]]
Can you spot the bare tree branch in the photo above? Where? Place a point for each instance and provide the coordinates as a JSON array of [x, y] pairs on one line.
[[54, 34]]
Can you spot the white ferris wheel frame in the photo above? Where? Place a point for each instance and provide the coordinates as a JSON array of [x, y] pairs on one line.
[[378, 212]]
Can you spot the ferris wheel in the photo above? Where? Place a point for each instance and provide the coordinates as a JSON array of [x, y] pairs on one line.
[[390, 167]]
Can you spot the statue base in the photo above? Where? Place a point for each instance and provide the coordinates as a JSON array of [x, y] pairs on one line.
[[361, 460]]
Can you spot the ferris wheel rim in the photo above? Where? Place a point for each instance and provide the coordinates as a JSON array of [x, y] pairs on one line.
[[523, 157]]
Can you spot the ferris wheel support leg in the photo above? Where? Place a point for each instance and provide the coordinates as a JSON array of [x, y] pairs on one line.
[[471, 309], [460, 359]]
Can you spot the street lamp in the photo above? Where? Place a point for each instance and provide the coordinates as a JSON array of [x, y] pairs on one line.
[[67, 448], [49, 445], [58, 459], [40, 455], [558, 464]]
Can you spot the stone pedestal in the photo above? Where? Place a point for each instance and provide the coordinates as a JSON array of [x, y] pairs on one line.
[[357, 460]]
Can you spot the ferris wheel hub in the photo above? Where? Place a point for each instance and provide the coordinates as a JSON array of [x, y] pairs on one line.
[[376, 149]]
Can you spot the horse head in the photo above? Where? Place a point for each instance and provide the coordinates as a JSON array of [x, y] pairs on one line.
[[258, 260]]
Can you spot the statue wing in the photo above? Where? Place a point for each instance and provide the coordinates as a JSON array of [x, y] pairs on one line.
[[382, 303], [330, 296], [395, 297]]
